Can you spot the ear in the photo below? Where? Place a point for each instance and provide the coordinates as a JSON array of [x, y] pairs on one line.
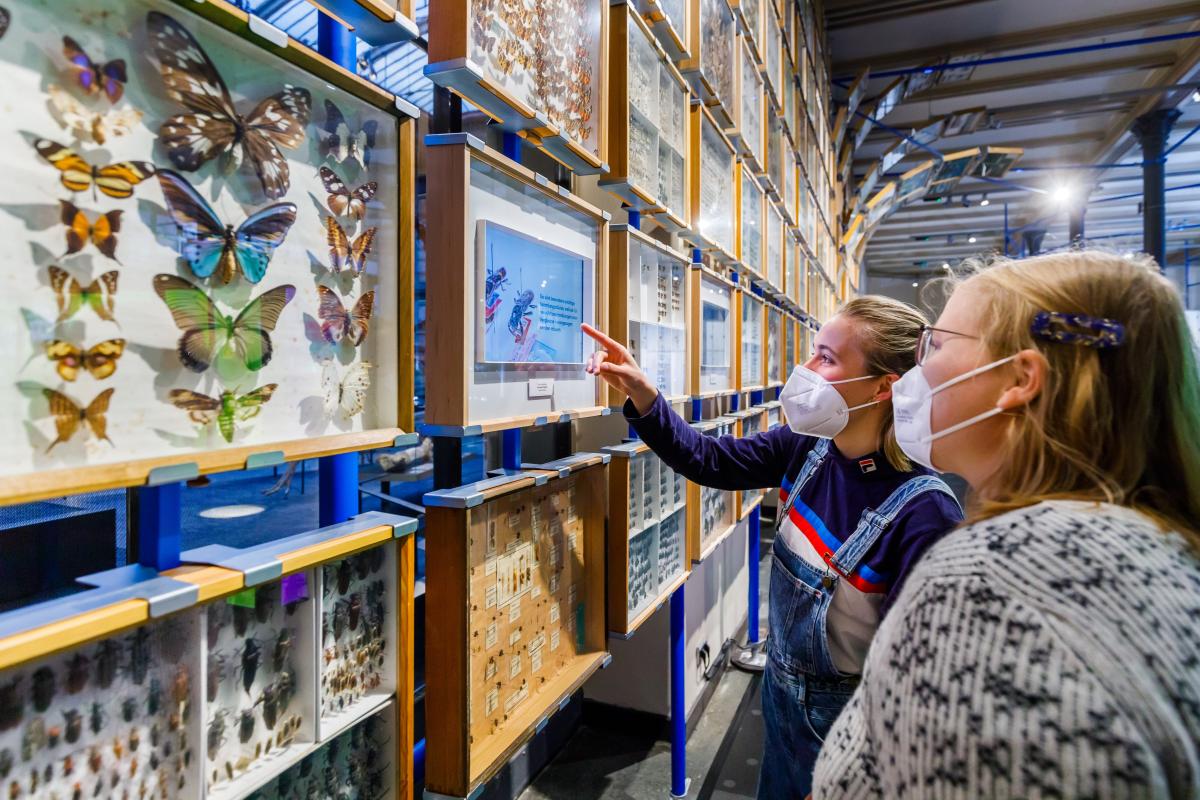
[[1029, 376], [883, 390]]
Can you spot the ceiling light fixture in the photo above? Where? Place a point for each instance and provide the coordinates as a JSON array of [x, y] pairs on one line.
[[971, 239], [985, 201], [915, 284]]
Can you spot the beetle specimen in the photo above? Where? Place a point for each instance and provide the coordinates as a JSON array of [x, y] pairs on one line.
[[375, 559], [283, 646], [95, 760], [11, 708], [128, 708], [344, 573], [74, 725], [78, 670], [251, 652], [264, 604], [355, 610], [6, 763], [216, 615], [179, 686], [270, 704], [216, 673], [139, 655], [246, 722], [43, 688], [341, 615], [33, 739], [154, 697], [241, 620], [216, 733], [96, 717]]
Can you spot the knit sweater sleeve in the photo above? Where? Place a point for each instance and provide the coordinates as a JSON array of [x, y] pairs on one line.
[[971, 691]]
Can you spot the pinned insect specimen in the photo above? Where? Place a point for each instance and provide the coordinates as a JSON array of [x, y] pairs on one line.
[[11, 708], [344, 573], [270, 704], [129, 709], [180, 685], [341, 615], [216, 616], [43, 688], [251, 654], [283, 646], [241, 620], [154, 697], [96, 717], [246, 723], [33, 739], [107, 656], [6, 763], [74, 728], [354, 608], [139, 655], [264, 604], [216, 733], [216, 673], [78, 670]]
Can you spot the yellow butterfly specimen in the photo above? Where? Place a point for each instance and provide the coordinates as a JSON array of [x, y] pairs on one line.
[[69, 417], [99, 359]]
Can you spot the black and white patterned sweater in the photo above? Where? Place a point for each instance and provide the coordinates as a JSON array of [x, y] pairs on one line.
[[1053, 651]]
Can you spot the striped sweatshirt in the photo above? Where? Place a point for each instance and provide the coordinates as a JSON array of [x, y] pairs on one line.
[[823, 516]]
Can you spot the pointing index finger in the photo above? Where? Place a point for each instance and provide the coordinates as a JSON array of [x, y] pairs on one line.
[[602, 338]]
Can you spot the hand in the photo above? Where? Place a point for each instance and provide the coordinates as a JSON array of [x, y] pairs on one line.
[[618, 368]]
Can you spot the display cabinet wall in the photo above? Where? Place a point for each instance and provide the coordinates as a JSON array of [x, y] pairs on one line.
[[648, 116], [671, 22], [712, 513], [773, 177], [776, 372], [141, 341], [647, 535], [797, 269], [542, 72], [752, 370], [774, 247], [790, 327], [515, 265], [649, 286], [751, 15], [774, 411], [714, 59], [712, 327], [749, 105], [749, 422], [514, 612], [714, 187], [773, 72], [751, 226], [214, 679]]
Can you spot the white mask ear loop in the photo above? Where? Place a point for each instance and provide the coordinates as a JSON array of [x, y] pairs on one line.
[[971, 374], [933, 437], [852, 380]]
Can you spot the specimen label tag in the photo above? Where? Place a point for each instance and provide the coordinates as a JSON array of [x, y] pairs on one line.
[[541, 387], [295, 588], [244, 598]]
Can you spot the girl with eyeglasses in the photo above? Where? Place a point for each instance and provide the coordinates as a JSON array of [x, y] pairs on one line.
[[1050, 647], [855, 513]]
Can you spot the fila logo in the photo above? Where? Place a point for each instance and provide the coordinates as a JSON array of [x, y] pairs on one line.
[[867, 465]]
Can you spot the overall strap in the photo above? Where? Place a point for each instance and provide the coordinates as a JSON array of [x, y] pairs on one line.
[[816, 456], [874, 521]]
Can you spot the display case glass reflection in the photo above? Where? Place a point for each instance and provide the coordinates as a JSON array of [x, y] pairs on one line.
[[751, 229], [657, 311], [775, 371], [752, 342], [749, 123], [714, 208], [713, 511], [714, 318], [716, 45], [774, 247]]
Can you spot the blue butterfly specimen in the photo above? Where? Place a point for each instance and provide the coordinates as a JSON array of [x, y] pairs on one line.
[[211, 246]]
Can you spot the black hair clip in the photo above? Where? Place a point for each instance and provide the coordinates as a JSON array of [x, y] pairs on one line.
[[1097, 332]]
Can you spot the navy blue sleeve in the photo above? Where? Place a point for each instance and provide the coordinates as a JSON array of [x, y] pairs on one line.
[[928, 518], [726, 462]]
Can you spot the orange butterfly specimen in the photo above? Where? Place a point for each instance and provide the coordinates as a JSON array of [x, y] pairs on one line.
[[72, 295], [69, 417], [100, 360], [115, 180], [102, 232], [345, 254], [338, 322]]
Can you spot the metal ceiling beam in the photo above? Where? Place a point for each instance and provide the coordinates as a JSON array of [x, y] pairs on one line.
[[973, 87], [846, 15], [1071, 31]]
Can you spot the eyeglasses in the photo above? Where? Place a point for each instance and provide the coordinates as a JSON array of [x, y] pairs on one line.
[[925, 346]]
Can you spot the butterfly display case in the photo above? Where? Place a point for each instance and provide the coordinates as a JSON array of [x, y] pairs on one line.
[[201, 682], [749, 422], [749, 106], [515, 265], [773, 72], [670, 21], [713, 187], [713, 51], [712, 328], [751, 15], [647, 535], [712, 513], [648, 118], [535, 66], [649, 286], [514, 612], [752, 355], [208, 262], [777, 370], [751, 224]]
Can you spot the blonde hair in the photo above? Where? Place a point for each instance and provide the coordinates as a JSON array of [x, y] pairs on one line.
[[888, 331], [1119, 425]]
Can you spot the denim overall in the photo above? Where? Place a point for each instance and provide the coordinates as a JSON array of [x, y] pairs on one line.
[[802, 691]]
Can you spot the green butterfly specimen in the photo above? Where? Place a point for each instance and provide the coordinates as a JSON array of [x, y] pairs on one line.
[[230, 407], [99, 295], [207, 332]]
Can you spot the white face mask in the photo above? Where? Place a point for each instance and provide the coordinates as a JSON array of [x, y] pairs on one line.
[[912, 410], [813, 407]]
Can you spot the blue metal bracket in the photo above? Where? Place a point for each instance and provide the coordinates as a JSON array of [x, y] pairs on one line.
[[635, 218], [159, 525], [679, 779], [754, 529], [338, 488]]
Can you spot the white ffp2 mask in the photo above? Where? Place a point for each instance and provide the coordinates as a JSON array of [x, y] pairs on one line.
[[912, 411], [813, 407]]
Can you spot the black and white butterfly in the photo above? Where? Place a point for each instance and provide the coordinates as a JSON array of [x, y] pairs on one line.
[[341, 200], [340, 143], [212, 125]]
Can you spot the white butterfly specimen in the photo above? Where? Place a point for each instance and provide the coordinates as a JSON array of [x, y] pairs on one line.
[[340, 143], [346, 395], [87, 125]]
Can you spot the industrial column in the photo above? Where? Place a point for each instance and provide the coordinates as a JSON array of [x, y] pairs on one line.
[[1152, 130]]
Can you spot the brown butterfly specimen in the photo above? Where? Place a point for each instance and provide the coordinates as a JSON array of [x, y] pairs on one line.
[[80, 231], [5, 18], [343, 202], [100, 294], [69, 417], [345, 254], [338, 322], [100, 359]]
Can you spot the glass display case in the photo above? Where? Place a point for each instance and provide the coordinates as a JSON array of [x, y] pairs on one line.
[[713, 57], [647, 524], [750, 422], [798, 268], [714, 187], [774, 247], [176, 308], [775, 360], [773, 74], [515, 602], [712, 513], [751, 225], [671, 21], [533, 65], [751, 15], [752, 346], [649, 288], [506, 349], [712, 333], [749, 106], [648, 130]]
